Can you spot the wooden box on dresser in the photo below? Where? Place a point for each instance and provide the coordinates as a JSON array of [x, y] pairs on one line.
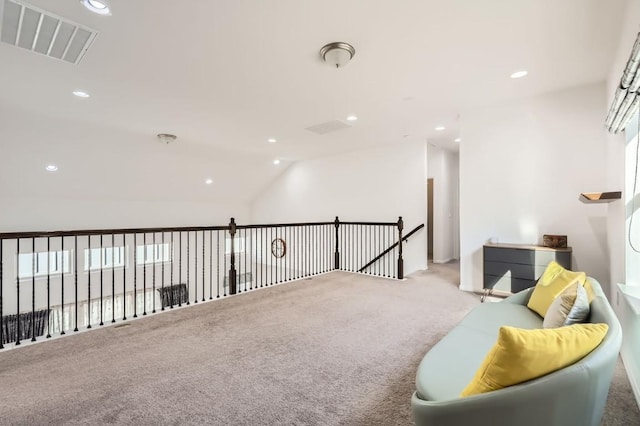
[[510, 268]]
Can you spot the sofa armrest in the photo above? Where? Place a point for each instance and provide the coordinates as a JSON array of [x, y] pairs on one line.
[[520, 298]]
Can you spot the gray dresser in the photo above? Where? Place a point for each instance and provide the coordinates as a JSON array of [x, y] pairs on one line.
[[510, 268]]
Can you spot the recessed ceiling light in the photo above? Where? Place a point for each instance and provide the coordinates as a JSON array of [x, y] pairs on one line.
[[276, 162], [97, 6], [352, 118], [81, 94], [272, 140], [51, 168], [519, 74], [440, 128], [457, 140], [208, 181]]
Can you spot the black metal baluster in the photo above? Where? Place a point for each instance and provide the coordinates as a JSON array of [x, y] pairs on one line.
[[244, 246], [113, 278], [239, 257], [232, 259], [211, 264], [18, 294], [203, 267], [164, 260], [33, 290], [400, 274], [62, 286], [270, 255], [2, 295], [251, 257], [287, 275], [172, 285], [101, 280], [48, 290], [144, 275], [124, 277], [156, 251], [195, 258], [88, 281], [218, 264], [180, 270], [75, 253], [135, 275], [225, 281]]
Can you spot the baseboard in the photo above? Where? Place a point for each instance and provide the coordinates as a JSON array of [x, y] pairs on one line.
[[443, 260], [633, 380]]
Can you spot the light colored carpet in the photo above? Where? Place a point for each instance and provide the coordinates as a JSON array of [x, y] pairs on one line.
[[338, 349]]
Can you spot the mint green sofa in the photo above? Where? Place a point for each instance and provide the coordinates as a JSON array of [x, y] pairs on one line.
[[573, 396]]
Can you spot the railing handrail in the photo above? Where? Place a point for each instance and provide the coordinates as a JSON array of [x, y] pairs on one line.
[[118, 231], [394, 245]]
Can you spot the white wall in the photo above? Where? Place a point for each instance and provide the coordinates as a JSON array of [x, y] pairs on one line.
[[442, 167], [370, 185], [53, 214], [523, 165]]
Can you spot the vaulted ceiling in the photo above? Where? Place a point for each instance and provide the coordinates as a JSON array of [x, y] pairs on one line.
[[225, 76]]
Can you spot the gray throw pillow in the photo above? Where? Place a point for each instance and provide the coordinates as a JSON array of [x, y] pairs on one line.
[[570, 307]]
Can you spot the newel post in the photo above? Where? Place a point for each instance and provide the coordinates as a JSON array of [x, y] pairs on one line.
[[336, 257], [232, 260], [400, 260]]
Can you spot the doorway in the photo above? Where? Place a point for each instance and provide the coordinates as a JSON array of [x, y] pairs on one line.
[[430, 220]]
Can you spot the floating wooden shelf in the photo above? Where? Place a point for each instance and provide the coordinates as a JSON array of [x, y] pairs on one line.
[[600, 197]]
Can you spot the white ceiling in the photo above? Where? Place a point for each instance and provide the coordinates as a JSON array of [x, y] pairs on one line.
[[227, 75]]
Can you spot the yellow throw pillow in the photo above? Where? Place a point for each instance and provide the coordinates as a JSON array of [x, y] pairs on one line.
[[552, 283], [520, 355], [590, 293]]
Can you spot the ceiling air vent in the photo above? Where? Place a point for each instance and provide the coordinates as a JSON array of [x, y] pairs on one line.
[[42, 32], [329, 126]]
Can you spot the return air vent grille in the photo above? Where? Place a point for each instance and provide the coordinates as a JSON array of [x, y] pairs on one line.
[[329, 126], [42, 32]]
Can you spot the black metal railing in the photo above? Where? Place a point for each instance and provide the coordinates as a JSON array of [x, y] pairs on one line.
[[63, 281]]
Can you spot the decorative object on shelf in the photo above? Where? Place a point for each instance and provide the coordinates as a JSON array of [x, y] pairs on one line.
[[337, 54], [278, 247], [600, 197], [554, 241]]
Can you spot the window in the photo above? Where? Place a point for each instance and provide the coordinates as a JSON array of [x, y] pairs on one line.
[[43, 263], [153, 253], [238, 245], [632, 200], [104, 258]]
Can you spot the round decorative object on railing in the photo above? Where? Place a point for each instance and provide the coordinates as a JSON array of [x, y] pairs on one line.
[[278, 247]]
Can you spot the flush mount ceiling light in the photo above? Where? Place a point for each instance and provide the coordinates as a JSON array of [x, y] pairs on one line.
[[276, 161], [457, 140], [337, 54], [440, 128], [208, 181], [519, 74], [51, 168], [166, 138], [352, 118], [80, 94], [97, 6], [272, 140]]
